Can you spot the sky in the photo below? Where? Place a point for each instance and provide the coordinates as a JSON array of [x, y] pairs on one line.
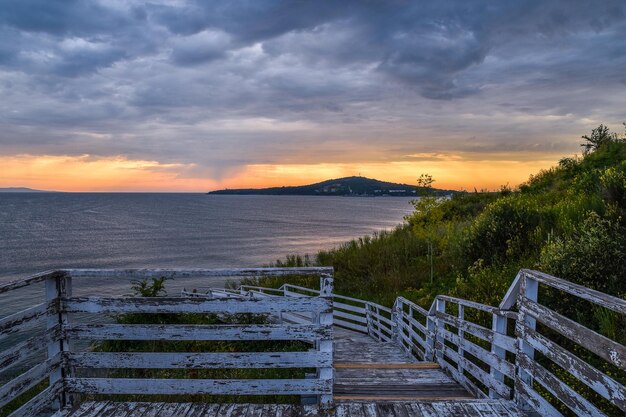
[[184, 95]]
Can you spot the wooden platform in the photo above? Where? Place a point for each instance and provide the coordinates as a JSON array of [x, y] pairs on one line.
[[471, 408], [369, 370], [372, 379]]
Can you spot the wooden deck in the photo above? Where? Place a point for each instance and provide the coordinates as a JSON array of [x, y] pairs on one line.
[[369, 370], [372, 379], [485, 408]]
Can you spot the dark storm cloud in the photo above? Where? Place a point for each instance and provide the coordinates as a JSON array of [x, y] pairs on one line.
[[235, 82]]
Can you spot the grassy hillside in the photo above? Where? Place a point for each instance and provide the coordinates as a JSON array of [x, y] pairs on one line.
[[569, 220]]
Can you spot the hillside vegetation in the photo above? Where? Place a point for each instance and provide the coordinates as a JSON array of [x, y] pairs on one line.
[[568, 221]]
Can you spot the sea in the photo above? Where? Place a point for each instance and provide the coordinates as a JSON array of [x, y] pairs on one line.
[[43, 231]]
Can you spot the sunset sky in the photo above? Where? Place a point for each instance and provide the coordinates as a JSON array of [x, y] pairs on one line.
[[123, 95]]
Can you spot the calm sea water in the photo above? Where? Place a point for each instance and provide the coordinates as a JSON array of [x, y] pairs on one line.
[[46, 231]]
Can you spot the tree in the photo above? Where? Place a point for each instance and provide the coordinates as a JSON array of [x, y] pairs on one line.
[[599, 136]]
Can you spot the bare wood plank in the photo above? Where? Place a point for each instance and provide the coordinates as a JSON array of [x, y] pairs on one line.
[[309, 332], [195, 272], [197, 386], [602, 346], [25, 381], [184, 360]]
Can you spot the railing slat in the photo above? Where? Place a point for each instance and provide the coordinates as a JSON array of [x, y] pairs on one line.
[[193, 305], [587, 374], [184, 360], [481, 332], [25, 381], [559, 389], [198, 386], [602, 346], [25, 319], [21, 351], [39, 401], [198, 332]]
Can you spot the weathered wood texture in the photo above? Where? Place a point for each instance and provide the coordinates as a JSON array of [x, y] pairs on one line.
[[486, 408], [369, 370]]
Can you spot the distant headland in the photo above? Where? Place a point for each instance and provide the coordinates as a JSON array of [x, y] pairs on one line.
[[347, 186], [23, 190]]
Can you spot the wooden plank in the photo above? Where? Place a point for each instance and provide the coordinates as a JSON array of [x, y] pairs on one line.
[[348, 307], [194, 272], [417, 365], [478, 373], [481, 332], [197, 386], [184, 360], [25, 319], [572, 400], [535, 400], [597, 297], [602, 346], [349, 316], [21, 351], [590, 376], [38, 402], [484, 355], [24, 282], [351, 326], [25, 381], [193, 305], [310, 332]]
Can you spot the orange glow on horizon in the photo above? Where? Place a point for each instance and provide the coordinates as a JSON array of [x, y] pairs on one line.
[[88, 173]]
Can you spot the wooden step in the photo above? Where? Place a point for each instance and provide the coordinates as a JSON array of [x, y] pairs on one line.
[[375, 398], [416, 365]]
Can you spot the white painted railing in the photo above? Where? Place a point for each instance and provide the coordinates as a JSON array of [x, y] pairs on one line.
[[62, 363], [490, 350]]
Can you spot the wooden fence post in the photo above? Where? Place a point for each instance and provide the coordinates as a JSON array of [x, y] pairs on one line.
[[58, 286], [326, 345], [529, 289], [461, 334], [396, 319], [441, 308], [499, 325], [431, 328]]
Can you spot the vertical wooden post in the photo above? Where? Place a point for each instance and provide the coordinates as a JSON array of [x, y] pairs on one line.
[[396, 319], [441, 308], [431, 328], [326, 345], [529, 289], [58, 286], [461, 334], [498, 325], [368, 318]]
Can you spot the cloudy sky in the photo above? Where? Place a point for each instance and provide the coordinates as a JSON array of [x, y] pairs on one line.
[[196, 95]]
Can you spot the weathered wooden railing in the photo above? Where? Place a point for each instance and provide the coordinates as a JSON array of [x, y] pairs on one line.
[[62, 361], [491, 350]]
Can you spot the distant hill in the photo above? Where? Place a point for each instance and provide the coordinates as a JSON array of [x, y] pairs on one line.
[[348, 186], [22, 190]]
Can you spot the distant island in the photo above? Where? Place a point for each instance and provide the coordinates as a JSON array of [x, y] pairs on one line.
[[348, 186], [22, 190]]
